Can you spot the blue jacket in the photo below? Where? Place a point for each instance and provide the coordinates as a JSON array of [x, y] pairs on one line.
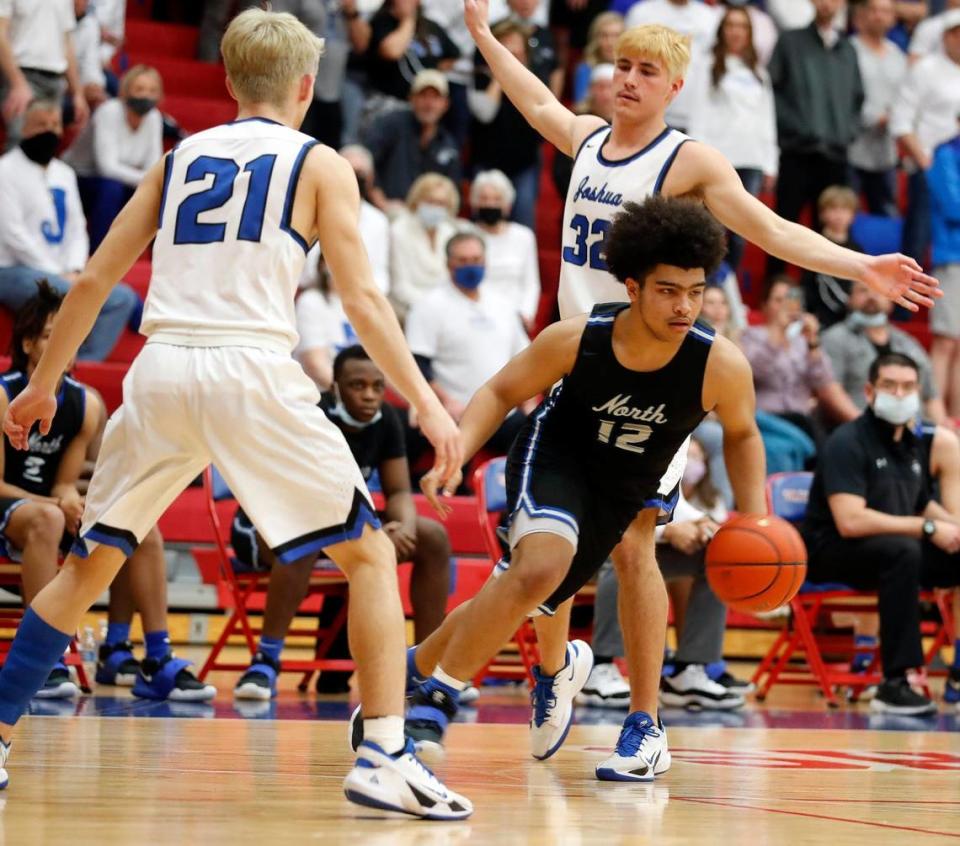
[[944, 181]]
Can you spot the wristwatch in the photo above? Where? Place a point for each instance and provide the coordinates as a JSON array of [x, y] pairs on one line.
[[929, 529]]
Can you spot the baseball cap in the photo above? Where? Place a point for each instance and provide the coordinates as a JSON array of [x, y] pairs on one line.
[[430, 79]]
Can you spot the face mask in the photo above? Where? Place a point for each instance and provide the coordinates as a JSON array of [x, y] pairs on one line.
[[488, 215], [896, 410], [41, 148], [857, 320], [339, 410], [469, 276], [140, 105], [694, 471], [431, 215]]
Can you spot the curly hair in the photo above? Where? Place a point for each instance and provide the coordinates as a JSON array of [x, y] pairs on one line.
[[663, 230], [31, 320]]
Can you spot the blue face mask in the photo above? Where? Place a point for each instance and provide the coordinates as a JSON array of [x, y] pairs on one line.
[[468, 276], [340, 410]]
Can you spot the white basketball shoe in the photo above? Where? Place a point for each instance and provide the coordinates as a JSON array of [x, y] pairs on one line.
[[401, 783], [552, 700], [641, 751]]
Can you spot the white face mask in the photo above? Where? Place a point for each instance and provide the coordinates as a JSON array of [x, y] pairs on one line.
[[896, 410], [861, 320], [340, 410], [431, 215]]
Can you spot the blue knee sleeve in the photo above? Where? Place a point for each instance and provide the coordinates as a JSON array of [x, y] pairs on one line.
[[35, 649]]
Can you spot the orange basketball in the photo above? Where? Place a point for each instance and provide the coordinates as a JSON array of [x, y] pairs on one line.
[[756, 562]]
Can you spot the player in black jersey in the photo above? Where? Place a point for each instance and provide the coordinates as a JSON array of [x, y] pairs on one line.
[[40, 511], [594, 466]]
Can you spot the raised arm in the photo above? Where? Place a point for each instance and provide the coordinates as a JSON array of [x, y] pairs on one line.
[[338, 210], [707, 172], [533, 99], [128, 237]]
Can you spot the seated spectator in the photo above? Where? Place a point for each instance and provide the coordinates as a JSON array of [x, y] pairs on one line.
[[37, 62], [407, 143], [374, 433], [41, 508], [512, 271], [825, 297], [602, 37], [732, 108], [495, 118], [113, 154], [542, 55], [871, 523], [43, 233], [322, 323], [86, 39], [883, 66], [793, 378], [689, 17], [374, 224], [765, 32], [724, 309], [403, 42], [924, 116], [943, 180], [698, 485], [853, 344], [681, 552], [418, 234], [461, 334]]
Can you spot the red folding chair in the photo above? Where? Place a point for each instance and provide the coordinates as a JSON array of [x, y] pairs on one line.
[[246, 591], [797, 654]]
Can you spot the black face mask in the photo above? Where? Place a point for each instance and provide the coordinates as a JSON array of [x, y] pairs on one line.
[[489, 215], [140, 105], [40, 148]]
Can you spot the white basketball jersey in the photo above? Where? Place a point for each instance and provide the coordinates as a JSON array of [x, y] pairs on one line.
[[598, 189], [226, 260]]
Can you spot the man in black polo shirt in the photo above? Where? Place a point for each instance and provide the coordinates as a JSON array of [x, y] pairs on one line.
[[375, 436], [871, 524]]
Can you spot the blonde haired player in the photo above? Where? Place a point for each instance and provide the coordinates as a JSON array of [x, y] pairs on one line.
[[234, 210], [633, 157]]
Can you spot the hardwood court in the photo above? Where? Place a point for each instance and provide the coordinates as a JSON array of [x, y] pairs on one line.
[[194, 781]]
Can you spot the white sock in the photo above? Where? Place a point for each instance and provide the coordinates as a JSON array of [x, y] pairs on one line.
[[386, 732], [449, 681]]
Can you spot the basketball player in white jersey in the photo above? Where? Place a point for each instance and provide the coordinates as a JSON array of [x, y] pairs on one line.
[[635, 156], [234, 210]]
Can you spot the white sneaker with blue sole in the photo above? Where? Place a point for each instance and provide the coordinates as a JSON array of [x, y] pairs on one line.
[[552, 700], [401, 783], [641, 752]]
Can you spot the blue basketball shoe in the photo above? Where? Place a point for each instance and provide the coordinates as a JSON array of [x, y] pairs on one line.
[[116, 664], [641, 751], [169, 679], [951, 692]]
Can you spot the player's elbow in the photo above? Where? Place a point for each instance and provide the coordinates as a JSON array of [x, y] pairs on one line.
[[847, 525]]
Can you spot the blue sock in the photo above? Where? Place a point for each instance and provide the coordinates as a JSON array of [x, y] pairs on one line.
[[35, 650], [158, 644], [413, 674], [956, 654], [117, 633], [271, 647]]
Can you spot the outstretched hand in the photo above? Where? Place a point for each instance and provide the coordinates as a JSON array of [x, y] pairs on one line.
[[438, 427], [31, 405], [476, 13], [901, 279], [435, 484]]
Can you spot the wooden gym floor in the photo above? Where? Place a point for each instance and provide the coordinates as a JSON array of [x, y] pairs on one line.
[[784, 772]]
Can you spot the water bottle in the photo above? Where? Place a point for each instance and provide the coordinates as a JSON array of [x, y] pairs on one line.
[[88, 653]]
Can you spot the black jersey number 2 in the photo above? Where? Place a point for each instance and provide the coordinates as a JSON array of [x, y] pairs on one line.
[[630, 437], [579, 252]]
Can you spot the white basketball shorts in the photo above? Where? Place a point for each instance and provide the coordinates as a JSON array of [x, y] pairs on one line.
[[250, 412]]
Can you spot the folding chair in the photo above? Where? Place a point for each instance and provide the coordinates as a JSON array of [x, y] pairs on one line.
[[489, 482], [245, 592], [802, 635], [10, 617]]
